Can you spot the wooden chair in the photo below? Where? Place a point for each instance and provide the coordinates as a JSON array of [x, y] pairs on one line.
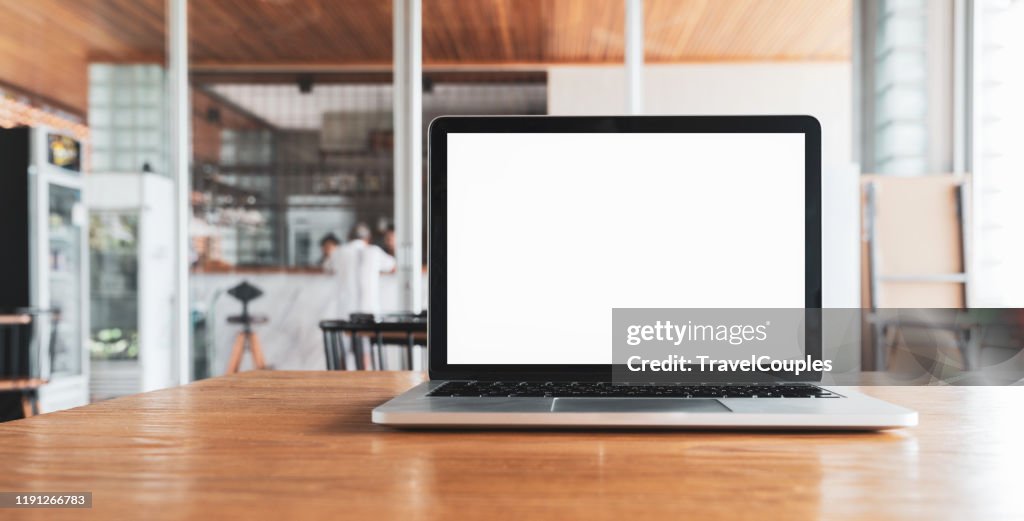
[[914, 252], [406, 330], [19, 369]]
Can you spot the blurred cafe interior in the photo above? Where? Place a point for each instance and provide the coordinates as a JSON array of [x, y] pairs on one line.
[[204, 171]]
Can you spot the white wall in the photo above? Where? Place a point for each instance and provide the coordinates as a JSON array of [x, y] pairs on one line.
[[821, 89]]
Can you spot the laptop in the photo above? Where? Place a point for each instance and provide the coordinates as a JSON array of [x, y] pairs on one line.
[[542, 229]]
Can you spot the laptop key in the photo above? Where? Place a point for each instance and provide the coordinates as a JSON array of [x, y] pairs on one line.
[[475, 389]]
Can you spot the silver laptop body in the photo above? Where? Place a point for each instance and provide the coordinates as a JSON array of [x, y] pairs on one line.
[[519, 320]]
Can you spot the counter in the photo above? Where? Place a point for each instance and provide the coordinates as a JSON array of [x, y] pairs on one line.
[[294, 301]]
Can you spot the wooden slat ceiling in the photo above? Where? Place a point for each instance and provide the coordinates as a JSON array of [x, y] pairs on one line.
[[45, 44]]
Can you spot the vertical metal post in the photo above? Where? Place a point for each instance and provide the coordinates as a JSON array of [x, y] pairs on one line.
[[867, 30], [408, 114], [963, 103], [856, 87], [977, 294], [960, 46], [180, 109], [634, 56]]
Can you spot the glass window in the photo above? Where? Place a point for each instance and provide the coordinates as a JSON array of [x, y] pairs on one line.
[[114, 273]]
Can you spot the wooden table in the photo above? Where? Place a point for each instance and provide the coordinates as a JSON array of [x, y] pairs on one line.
[[296, 445]]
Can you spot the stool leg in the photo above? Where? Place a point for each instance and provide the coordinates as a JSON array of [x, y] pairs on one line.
[[236, 354], [257, 351], [338, 350], [411, 346], [379, 353], [357, 352], [27, 407]]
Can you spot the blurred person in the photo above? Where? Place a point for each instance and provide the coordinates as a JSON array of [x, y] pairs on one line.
[[357, 266], [328, 244], [387, 240]]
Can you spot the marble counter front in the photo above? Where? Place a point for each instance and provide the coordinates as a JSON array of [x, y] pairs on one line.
[[294, 303]]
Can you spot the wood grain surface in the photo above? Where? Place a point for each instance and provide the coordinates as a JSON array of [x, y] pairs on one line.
[[300, 445]]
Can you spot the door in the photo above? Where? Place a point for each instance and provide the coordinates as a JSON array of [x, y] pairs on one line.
[[63, 273]]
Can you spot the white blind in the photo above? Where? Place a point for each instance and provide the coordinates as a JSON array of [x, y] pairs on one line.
[[998, 154], [900, 87]]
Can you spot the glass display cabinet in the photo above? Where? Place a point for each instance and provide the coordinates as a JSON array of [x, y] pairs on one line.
[[43, 225]]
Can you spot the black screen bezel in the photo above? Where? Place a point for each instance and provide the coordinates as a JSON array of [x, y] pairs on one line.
[[440, 127]]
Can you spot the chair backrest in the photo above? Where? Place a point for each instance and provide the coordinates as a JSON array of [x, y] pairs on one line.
[[334, 332], [362, 330], [913, 241]]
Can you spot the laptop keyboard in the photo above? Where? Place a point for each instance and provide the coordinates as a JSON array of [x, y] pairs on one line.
[[605, 389]]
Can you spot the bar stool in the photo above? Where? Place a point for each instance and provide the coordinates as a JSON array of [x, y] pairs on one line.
[[246, 339]]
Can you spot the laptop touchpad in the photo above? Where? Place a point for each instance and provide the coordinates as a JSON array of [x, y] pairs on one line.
[[697, 405]]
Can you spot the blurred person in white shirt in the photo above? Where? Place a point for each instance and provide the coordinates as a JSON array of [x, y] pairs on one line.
[[328, 244], [357, 266]]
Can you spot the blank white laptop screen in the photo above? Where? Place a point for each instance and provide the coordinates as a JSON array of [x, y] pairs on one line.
[[548, 232]]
